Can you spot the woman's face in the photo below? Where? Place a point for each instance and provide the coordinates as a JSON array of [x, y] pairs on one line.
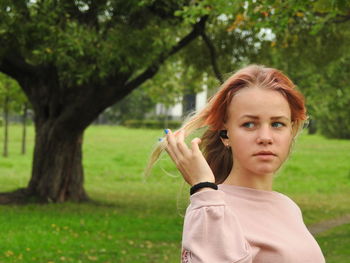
[[259, 129]]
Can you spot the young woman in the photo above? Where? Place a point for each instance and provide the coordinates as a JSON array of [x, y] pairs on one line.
[[234, 216]]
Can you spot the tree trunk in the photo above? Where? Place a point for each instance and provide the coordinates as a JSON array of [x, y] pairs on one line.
[[24, 125], [6, 121], [57, 173]]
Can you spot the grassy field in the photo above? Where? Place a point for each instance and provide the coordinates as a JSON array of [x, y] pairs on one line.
[[137, 219]]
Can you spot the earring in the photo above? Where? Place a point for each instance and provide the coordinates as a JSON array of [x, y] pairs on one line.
[[223, 134]]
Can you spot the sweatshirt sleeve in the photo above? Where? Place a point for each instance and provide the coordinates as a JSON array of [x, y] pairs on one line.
[[212, 232]]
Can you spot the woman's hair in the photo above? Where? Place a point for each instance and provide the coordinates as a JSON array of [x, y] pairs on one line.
[[213, 116]]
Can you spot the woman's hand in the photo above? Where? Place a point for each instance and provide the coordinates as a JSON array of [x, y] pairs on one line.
[[190, 162]]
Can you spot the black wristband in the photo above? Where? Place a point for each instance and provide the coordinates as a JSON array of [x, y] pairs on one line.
[[196, 187]]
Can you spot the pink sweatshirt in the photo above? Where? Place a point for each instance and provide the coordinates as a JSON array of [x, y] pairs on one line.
[[238, 224]]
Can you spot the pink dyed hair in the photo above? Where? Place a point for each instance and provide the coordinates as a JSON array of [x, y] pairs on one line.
[[214, 115]]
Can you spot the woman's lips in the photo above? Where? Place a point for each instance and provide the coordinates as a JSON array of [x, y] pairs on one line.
[[265, 155]]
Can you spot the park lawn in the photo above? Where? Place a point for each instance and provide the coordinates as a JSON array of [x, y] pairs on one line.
[[137, 219], [335, 243]]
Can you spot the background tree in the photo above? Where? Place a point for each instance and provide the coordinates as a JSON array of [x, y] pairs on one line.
[[11, 100], [25, 108], [133, 107], [333, 113], [5, 101], [174, 82]]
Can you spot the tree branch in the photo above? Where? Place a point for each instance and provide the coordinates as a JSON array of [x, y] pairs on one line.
[[336, 19], [341, 18], [154, 67], [31, 78], [15, 66], [213, 56]]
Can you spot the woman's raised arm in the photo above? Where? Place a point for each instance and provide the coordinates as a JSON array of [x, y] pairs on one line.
[[190, 161]]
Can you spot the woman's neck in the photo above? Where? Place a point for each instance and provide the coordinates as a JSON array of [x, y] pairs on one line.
[[246, 179]]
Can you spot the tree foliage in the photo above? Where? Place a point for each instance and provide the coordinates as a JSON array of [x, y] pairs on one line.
[[133, 107], [87, 40], [333, 111], [10, 88], [12, 100]]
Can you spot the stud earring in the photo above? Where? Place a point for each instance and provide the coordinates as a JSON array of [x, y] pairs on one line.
[[223, 134]]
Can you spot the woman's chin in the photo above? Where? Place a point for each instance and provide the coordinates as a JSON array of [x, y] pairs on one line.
[[266, 170]]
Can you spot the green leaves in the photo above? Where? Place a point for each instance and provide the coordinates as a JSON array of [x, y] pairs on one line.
[[125, 38], [10, 89], [334, 108], [215, 9]]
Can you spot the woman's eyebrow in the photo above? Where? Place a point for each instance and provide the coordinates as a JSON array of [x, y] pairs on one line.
[[257, 117], [249, 116], [280, 117]]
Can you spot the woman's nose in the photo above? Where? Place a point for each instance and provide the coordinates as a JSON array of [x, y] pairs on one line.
[[264, 136]]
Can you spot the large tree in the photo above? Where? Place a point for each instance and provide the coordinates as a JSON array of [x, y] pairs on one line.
[[73, 59]]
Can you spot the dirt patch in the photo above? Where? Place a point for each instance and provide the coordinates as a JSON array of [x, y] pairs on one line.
[[324, 226]]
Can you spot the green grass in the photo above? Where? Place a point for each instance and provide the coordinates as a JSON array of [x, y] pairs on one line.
[[134, 219], [317, 177], [336, 244]]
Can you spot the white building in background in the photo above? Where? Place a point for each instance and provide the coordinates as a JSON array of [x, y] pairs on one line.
[[193, 102], [201, 98], [174, 112]]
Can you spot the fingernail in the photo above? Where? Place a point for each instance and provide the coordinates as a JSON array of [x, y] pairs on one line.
[[166, 131]]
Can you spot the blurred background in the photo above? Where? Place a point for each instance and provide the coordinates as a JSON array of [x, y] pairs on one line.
[[87, 87]]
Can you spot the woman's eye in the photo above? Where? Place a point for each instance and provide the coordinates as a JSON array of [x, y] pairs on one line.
[[248, 125], [278, 124]]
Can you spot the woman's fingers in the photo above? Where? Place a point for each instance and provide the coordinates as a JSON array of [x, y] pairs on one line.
[[195, 145], [177, 147], [190, 161], [181, 145], [171, 148]]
